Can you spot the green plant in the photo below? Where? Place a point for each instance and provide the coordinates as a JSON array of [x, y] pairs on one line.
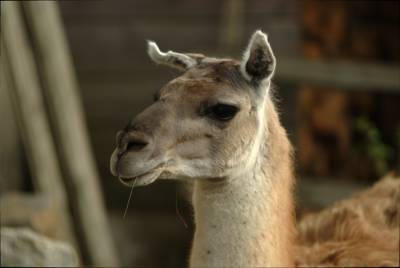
[[373, 146]]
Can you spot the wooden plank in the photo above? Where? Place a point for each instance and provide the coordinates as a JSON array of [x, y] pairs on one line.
[[63, 101], [132, 8], [344, 75], [17, 63], [114, 46], [367, 76]]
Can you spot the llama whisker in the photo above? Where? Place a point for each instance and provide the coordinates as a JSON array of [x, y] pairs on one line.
[[177, 210], [129, 199]]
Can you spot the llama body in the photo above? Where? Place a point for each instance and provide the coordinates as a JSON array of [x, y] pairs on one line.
[[217, 126]]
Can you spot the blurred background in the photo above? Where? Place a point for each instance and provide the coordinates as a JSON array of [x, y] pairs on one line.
[[75, 72]]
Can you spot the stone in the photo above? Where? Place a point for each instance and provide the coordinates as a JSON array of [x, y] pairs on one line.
[[21, 247]]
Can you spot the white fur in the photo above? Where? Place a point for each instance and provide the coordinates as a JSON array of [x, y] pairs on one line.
[[229, 221], [258, 39], [228, 218], [168, 58]]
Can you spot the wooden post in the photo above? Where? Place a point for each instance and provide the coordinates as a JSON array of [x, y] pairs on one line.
[[11, 154], [67, 116], [17, 64], [232, 17]]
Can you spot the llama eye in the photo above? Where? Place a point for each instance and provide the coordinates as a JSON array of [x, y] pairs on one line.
[[223, 112]]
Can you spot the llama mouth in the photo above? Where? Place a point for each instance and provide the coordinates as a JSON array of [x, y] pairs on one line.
[[142, 179]]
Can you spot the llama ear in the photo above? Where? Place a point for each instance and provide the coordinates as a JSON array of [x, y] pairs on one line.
[[173, 59], [258, 61]]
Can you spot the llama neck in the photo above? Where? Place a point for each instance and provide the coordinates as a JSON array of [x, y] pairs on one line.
[[247, 220]]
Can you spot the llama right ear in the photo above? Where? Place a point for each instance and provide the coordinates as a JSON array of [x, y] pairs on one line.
[[173, 59], [258, 61]]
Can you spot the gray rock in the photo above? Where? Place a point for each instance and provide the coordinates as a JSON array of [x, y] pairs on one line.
[[23, 247]]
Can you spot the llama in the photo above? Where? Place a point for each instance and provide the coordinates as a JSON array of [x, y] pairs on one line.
[[361, 231], [216, 126]]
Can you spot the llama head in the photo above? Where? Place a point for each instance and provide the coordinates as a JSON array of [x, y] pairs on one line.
[[206, 123]]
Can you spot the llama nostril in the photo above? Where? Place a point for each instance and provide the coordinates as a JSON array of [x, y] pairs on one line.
[[136, 145], [131, 141]]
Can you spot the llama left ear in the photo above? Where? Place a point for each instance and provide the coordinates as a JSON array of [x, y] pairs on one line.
[[173, 59], [258, 61]]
